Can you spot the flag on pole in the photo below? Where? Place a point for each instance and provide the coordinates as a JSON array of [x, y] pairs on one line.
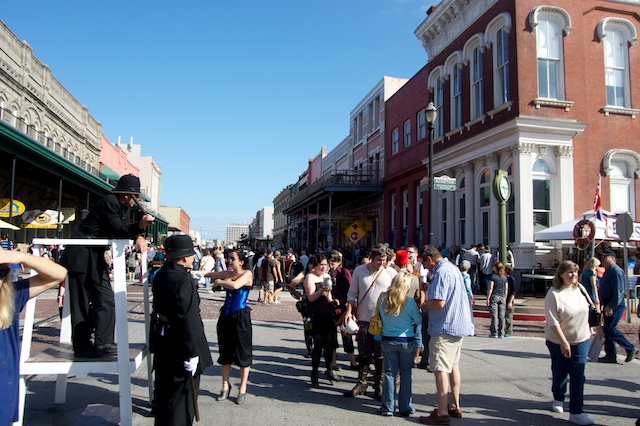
[[597, 201]]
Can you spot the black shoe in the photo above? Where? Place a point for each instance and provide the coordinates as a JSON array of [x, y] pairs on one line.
[[332, 376], [608, 360], [108, 349], [314, 380], [631, 355], [87, 353], [335, 367]]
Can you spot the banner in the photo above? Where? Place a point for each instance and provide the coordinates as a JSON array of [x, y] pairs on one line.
[[42, 219]]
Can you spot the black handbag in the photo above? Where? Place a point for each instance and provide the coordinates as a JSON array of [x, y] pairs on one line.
[[595, 316]]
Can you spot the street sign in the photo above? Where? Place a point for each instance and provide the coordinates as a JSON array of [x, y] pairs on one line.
[[624, 226], [445, 183]]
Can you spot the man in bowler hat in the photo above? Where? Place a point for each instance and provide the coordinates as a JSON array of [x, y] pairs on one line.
[[177, 336], [90, 294]]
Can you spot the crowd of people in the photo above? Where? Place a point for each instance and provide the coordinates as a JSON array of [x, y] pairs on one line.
[[405, 308]]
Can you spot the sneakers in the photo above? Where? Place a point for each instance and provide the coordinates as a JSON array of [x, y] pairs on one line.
[[454, 411], [557, 406], [580, 419], [435, 419], [631, 355], [508, 336]]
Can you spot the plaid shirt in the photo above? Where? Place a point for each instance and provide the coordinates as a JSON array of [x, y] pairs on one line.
[[455, 317]]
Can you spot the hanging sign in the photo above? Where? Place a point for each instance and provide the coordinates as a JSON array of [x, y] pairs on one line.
[[42, 219], [17, 208]]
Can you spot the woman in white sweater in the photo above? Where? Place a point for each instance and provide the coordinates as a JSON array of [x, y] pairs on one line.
[[567, 336]]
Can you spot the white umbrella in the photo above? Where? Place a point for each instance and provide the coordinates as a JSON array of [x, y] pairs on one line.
[[7, 225]]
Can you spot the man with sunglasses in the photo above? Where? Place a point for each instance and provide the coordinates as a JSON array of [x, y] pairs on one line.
[[368, 281], [90, 294]]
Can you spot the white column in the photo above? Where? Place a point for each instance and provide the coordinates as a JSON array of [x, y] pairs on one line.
[[470, 213], [523, 190], [563, 187]]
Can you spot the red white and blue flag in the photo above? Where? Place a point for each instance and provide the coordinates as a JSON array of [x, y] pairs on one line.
[[597, 201]]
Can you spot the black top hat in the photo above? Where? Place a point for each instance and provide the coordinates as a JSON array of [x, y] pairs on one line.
[[177, 246], [128, 184]]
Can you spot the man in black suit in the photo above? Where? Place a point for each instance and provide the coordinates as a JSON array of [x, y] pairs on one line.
[[90, 294], [177, 336]]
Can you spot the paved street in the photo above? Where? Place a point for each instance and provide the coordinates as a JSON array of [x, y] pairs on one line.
[[504, 381]]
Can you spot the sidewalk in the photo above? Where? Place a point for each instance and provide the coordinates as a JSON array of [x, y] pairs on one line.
[[503, 381]]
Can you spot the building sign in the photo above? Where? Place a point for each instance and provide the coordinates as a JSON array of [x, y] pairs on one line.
[[17, 208], [41, 219]]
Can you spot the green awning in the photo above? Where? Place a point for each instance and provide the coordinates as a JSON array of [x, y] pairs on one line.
[[108, 172]]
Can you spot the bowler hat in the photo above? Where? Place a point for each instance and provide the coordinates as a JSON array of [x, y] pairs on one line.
[[128, 184], [177, 246]]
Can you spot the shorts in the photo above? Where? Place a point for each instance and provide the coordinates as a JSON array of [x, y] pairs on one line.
[[279, 285], [444, 352], [235, 338], [270, 286]]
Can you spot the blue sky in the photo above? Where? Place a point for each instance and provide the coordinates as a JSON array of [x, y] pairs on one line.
[[231, 98]]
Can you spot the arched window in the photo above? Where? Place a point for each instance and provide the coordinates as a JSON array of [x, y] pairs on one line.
[[484, 199], [541, 195], [453, 67], [616, 35], [436, 83], [621, 186], [549, 23], [473, 55], [497, 34]]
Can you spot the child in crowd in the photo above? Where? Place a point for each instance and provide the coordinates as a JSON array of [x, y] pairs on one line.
[[465, 265]]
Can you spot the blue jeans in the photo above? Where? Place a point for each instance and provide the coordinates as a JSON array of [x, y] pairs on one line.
[[565, 369], [397, 355], [612, 335], [207, 282]]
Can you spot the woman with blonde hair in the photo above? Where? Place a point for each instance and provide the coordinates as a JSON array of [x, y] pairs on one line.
[[13, 297], [589, 280], [400, 315], [567, 336]]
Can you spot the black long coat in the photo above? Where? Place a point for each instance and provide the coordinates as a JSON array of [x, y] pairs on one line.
[[175, 297]]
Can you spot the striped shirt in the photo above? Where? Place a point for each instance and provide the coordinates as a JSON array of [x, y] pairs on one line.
[[455, 317]]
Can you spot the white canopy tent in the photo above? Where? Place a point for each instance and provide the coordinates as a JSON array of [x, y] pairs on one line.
[[564, 231]]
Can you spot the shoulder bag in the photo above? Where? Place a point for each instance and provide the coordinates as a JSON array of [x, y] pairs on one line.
[[595, 316], [352, 327], [375, 323]]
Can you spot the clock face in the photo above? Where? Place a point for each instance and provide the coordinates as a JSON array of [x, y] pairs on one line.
[[504, 187]]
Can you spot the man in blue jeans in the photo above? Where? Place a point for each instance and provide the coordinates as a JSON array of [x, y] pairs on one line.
[[611, 293]]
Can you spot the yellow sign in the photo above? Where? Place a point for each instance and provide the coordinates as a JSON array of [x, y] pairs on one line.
[[354, 234], [44, 219], [18, 207]]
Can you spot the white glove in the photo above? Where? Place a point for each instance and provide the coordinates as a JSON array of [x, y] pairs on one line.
[[192, 365]]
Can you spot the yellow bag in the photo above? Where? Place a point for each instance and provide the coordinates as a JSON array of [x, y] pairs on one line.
[[375, 324]]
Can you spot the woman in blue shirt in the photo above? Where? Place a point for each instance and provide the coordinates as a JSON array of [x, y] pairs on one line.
[[13, 297], [400, 315], [235, 337]]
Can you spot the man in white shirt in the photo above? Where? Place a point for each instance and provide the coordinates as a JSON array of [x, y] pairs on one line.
[[368, 281]]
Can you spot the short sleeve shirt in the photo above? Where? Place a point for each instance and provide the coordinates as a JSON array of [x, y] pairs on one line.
[[454, 318]]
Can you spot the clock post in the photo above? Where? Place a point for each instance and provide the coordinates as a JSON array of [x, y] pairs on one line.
[[502, 192]]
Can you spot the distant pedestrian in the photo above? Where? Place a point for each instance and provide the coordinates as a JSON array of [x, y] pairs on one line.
[[496, 299], [612, 289]]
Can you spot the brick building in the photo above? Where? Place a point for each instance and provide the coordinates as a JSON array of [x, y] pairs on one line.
[[541, 90]]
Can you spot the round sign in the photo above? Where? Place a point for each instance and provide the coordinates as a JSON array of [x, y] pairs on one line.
[[584, 232]]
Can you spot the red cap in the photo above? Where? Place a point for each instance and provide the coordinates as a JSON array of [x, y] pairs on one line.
[[402, 257]]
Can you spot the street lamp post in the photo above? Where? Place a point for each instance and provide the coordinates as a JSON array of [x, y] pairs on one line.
[[431, 113]]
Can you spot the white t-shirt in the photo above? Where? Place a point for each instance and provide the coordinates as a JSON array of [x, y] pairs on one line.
[[569, 309], [361, 280]]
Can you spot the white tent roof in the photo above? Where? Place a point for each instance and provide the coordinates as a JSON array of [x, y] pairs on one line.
[[564, 231]]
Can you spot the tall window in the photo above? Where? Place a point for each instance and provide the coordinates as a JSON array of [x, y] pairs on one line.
[[418, 207], [615, 67], [422, 125], [393, 211], [405, 209], [484, 198], [541, 195], [549, 49], [438, 128], [456, 97], [477, 91], [443, 220], [462, 212], [407, 133], [511, 208], [502, 67], [622, 192], [394, 140]]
